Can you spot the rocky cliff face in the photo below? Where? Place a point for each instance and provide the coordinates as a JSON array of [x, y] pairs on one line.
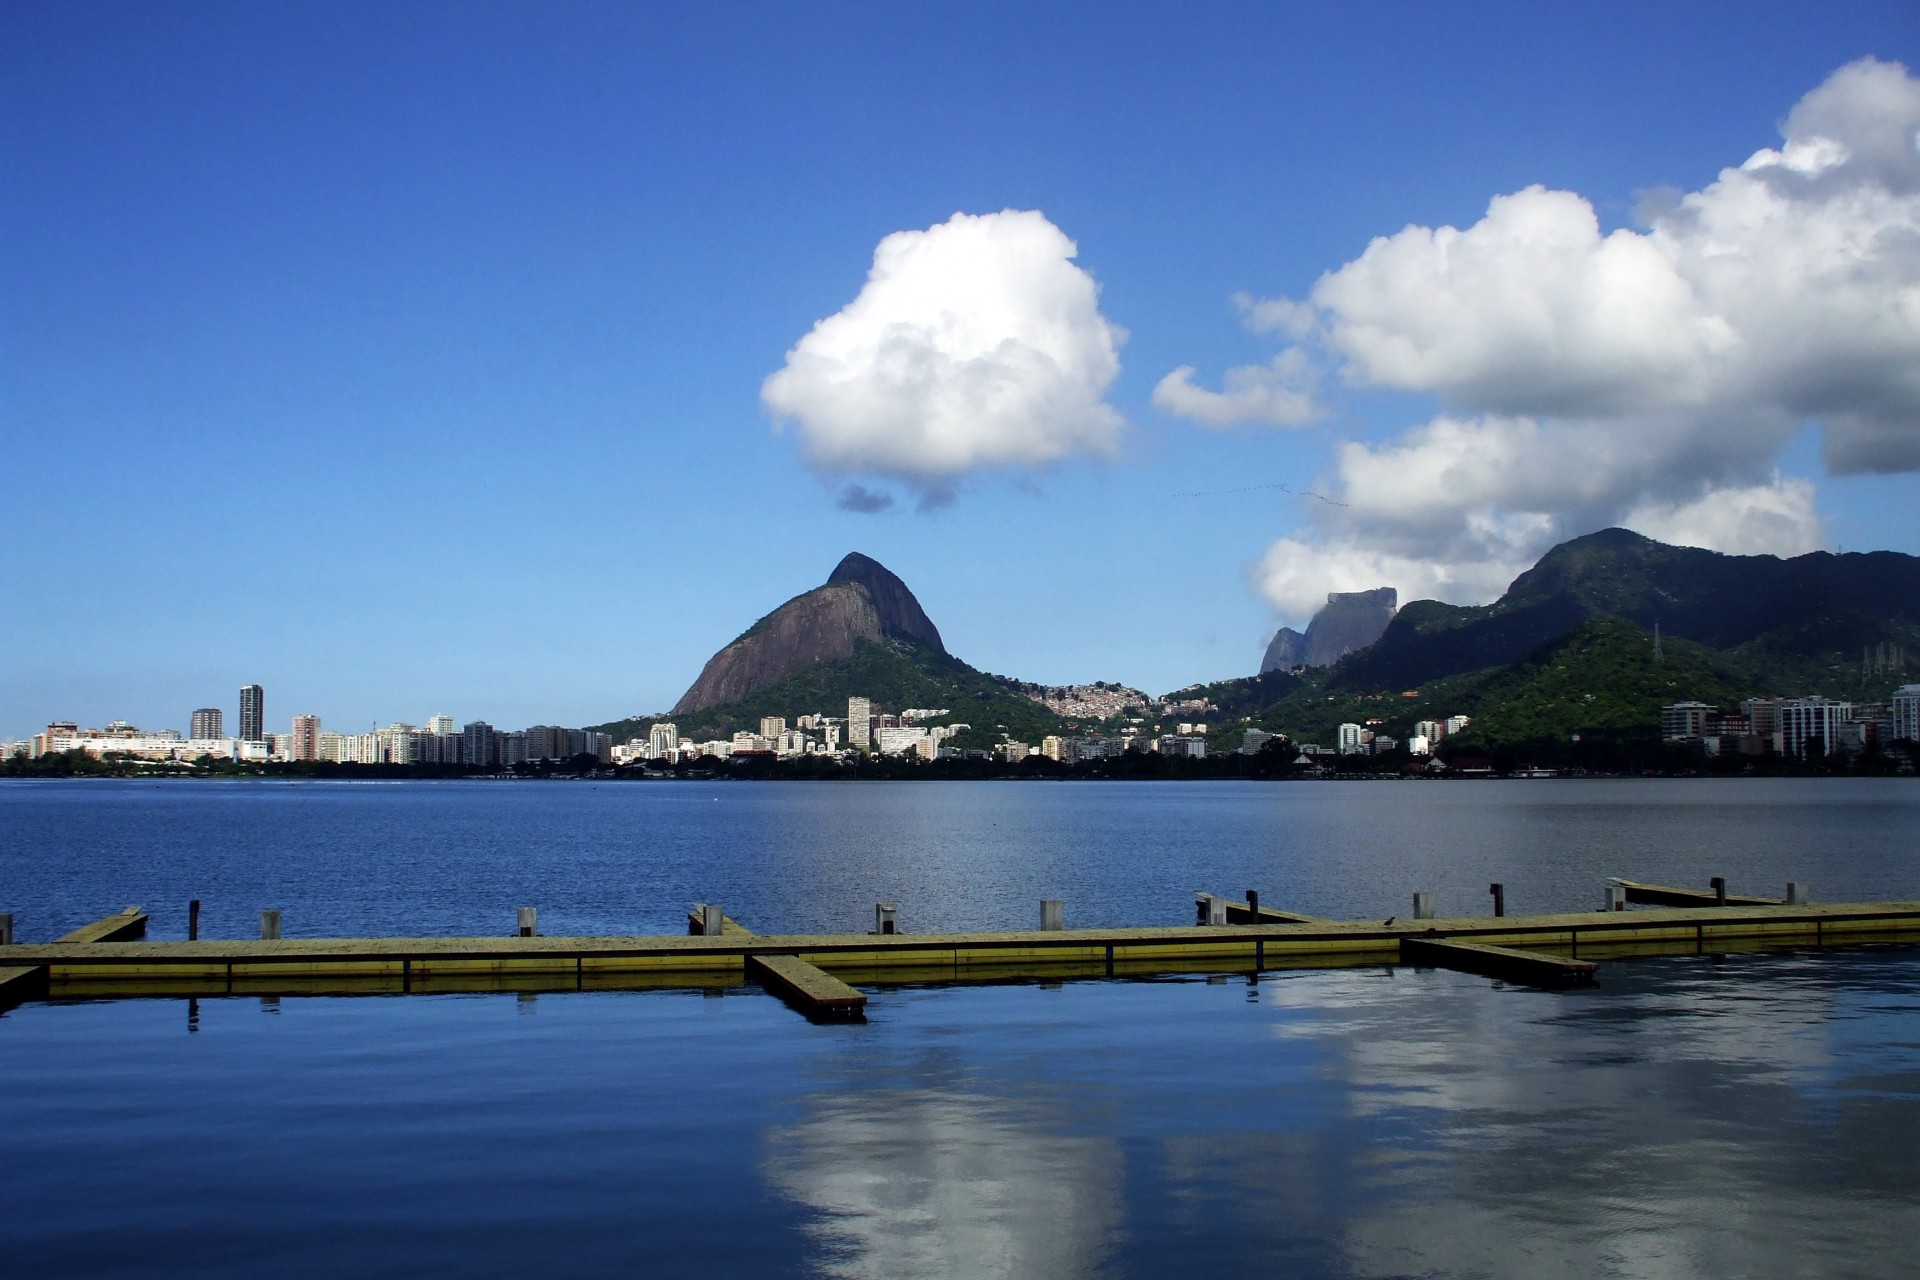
[[1351, 620], [900, 614], [862, 600], [1287, 650]]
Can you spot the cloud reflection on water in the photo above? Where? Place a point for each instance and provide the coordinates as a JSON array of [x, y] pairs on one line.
[[932, 1182]]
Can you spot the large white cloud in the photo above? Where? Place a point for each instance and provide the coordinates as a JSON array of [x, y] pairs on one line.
[[977, 343], [1644, 377]]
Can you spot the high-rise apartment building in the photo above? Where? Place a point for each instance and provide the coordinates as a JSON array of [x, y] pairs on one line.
[[208, 722], [306, 738], [253, 713], [859, 723], [477, 746], [1809, 726], [442, 725], [1906, 713], [771, 727]]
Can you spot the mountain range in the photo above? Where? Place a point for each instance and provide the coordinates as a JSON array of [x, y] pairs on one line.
[[1730, 626]]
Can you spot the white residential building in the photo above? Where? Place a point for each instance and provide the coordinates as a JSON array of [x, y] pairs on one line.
[[1351, 740], [1803, 720], [894, 741], [1906, 713]]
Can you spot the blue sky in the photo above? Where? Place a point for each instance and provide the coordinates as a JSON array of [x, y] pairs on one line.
[[410, 359]]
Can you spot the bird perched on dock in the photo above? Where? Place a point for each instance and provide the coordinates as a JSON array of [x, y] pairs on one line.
[[1389, 920]]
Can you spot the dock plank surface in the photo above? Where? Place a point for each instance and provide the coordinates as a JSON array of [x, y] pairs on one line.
[[809, 988], [118, 927]]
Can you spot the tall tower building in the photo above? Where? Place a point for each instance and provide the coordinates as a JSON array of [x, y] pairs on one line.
[[306, 737], [253, 713], [207, 723], [859, 722]]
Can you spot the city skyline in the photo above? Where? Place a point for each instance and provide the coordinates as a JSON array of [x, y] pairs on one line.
[[527, 402]]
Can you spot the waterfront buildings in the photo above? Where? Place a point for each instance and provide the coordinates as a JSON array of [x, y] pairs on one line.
[[207, 724], [859, 723], [253, 713], [1904, 718], [1801, 728], [1684, 721], [306, 738]]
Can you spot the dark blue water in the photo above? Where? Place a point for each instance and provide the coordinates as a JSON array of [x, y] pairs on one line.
[[1747, 1116], [457, 858]]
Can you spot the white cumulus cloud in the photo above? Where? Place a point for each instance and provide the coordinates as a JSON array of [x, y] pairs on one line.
[[1646, 377], [1279, 393], [977, 343], [1763, 519]]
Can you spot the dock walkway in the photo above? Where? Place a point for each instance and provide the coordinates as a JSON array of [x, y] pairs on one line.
[[101, 968]]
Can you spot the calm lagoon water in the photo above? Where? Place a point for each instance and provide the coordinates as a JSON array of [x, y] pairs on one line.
[[1747, 1116]]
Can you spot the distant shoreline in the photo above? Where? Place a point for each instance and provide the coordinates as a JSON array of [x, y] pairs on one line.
[[1224, 769]]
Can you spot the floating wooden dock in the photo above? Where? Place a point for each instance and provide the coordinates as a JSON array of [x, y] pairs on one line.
[[77, 967], [806, 987], [1530, 967], [27, 982], [1667, 895]]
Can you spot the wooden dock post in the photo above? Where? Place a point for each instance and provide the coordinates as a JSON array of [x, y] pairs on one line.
[[269, 925], [6, 928], [1616, 898], [1499, 892], [527, 922], [1797, 893], [1253, 902], [886, 917], [193, 920], [1423, 906], [1216, 910], [1052, 916], [713, 921], [1719, 884]]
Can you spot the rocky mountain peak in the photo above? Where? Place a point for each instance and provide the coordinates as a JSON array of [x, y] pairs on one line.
[[861, 600], [900, 614]]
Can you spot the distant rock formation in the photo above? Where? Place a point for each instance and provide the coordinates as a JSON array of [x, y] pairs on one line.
[[1351, 620], [1287, 650], [861, 600]]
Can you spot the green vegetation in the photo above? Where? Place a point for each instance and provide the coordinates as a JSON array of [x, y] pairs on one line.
[[895, 674], [1590, 698], [1790, 627]]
